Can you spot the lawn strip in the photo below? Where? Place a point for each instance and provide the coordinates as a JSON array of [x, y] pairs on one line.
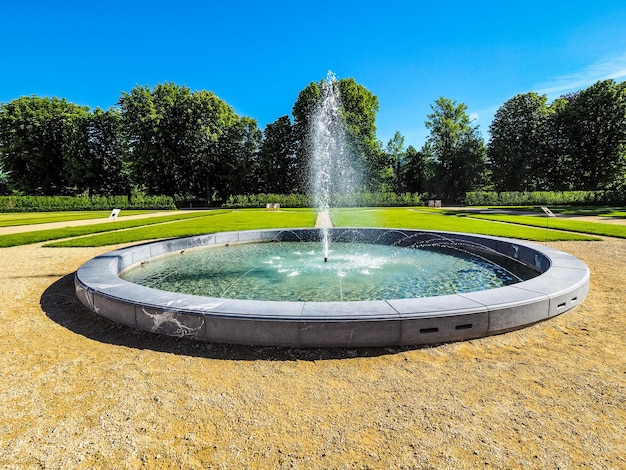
[[247, 219], [616, 214], [13, 219], [416, 219], [25, 238], [557, 223], [603, 211]]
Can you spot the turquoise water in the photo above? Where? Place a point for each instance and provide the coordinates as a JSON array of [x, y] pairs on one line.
[[297, 272]]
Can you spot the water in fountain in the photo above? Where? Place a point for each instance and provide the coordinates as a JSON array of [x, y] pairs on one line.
[[333, 167], [356, 271]]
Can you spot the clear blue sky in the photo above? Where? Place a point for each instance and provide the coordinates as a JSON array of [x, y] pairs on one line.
[[257, 55]]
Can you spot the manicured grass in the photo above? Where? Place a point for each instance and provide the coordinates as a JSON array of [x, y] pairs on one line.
[[37, 236], [429, 220], [620, 214], [245, 219], [196, 223], [594, 228], [590, 210], [11, 219], [601, 211]]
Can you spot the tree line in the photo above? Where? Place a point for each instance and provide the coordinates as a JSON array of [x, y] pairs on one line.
[[191, 145]]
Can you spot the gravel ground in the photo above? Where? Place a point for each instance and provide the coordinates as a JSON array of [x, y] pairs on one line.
[[77, 391], [11, 229]]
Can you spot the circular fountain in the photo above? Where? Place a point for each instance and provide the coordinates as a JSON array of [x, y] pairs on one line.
[[537, 282], [561, 283]]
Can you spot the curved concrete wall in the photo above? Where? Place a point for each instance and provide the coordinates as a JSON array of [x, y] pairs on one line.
[[562, 284]]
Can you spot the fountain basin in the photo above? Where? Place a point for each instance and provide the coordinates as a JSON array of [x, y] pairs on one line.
[[562, 284]]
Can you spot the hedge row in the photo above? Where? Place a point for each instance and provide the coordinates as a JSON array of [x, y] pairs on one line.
[[580, 198], [365, 199], [82, 203]]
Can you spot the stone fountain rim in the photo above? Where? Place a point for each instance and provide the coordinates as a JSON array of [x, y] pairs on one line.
[[563, 284]]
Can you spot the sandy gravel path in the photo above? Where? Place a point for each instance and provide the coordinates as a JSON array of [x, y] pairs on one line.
[[77, 391], [77, 223], [597, 218]]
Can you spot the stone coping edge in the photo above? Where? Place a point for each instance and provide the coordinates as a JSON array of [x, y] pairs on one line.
[[562, 285]]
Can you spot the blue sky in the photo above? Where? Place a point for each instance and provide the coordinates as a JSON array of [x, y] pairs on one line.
[[257, 55]]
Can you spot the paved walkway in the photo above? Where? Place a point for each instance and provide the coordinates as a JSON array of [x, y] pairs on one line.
[[323, 220]]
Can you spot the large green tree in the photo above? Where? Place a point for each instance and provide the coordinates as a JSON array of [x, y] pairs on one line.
[[418, 171], [238, 149], [576, 142], [34, 142], [596, 121], [277, 170], [219, 139], [397, 159], [4, 180], [177, 140], [555, 171], [97, 153], [303, 111], [457, 149], [517, 143], [155, 122], [358, 113]]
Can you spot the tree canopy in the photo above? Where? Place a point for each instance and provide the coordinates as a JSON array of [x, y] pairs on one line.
[[457, 149], [97, 154], [176, 139], [34, 137], [517, 136], [191, 145], [277, 165], [576, 142], [596, 120]]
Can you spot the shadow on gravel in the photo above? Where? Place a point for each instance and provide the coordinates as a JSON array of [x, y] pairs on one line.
[[60, 304]]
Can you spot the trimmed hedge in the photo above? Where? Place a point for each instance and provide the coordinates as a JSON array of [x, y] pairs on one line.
[[365, 199], [241, 201], [535, 198], [83, 203]]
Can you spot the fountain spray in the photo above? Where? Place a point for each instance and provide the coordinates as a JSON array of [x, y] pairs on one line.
[[332, 166]]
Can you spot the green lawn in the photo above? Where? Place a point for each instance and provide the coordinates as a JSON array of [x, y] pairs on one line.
[[196, 223], [435, 220], [11, 219], [590, 210], [67, 232], [594, 228], [601, 211], [620, 214], [246, 219]]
